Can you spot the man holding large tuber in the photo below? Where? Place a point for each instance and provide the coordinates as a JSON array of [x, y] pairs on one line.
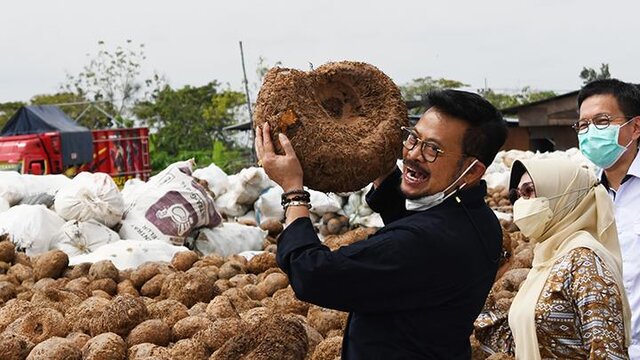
[[415, 287]]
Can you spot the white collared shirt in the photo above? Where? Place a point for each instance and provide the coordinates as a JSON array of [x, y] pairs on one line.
[[627, 208]]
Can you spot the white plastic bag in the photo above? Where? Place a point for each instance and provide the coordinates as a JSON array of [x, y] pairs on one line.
[[30, 227], [230, 238], [244, 189], [128, 254], [269, 204], [15, 186], [82, 237], [322, 203], [12, 188], [91, 196], [4, 204], [169, 207], [129, 191], [217, 180], [250, 254]]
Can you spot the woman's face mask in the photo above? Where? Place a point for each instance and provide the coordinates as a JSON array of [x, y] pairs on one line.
[[532, 215]]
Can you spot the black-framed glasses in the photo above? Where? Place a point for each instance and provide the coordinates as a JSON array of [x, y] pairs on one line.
[[600, 121], [428, 149], [525, 191]]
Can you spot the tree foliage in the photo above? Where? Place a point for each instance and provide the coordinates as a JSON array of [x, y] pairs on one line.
[[590, 74], [524, 96], [112, 80], [7, 110], [188, 122], [417, 88]]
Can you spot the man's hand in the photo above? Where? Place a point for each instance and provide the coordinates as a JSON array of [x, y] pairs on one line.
[[285, 169]]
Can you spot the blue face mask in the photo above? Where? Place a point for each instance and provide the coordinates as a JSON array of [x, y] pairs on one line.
[[601, 146]]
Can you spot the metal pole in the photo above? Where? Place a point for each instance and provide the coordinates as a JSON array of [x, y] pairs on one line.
[[246, 90], [246, 83]]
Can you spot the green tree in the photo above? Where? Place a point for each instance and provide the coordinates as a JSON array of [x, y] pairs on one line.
[[417, 88], [188, 122], [590, 74], [62, 98], [7, 110], [112, 79], [524, 96]]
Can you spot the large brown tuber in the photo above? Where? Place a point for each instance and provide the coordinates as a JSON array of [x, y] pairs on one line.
[[343, 120]]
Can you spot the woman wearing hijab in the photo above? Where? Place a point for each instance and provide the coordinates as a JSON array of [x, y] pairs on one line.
[[572, 304]]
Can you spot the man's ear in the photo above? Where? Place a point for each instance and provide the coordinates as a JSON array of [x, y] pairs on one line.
[[474, 174], [636, 128]]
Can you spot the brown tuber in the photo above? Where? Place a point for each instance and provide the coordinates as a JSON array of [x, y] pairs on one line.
[[55, 348], [262, 262], [183, 260], [189, 326], [120, 316], [50, 265], [189, 288], [152, 331], [169, 311], [329, 349], [39, 324], [219, 332], [278, 337], [324, 320], [103, 270], [14, 346], [7, 250], [107, 346]]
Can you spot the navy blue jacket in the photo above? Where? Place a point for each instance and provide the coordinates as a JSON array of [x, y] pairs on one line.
[[414, 288]]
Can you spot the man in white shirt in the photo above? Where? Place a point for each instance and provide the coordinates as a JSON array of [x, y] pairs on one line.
[[608, 134]]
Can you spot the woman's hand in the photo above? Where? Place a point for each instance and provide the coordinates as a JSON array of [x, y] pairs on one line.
[[285, 169]]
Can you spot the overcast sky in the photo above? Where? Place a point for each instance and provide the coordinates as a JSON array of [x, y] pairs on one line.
[[510, 43]]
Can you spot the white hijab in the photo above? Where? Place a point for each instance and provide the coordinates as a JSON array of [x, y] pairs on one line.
[[581, 219]]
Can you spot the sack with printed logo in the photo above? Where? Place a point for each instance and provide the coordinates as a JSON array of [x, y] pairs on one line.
[[169, 207]]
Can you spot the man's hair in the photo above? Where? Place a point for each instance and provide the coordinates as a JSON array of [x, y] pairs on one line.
[[487, 129], [627, 95]]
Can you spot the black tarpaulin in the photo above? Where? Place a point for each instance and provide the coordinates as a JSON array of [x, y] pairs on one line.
[[76, 141]]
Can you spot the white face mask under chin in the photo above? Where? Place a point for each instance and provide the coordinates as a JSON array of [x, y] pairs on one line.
[[429, 201]]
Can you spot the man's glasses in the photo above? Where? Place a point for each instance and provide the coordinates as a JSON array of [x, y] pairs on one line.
[[429, 150], [601, 122], [525, 191]]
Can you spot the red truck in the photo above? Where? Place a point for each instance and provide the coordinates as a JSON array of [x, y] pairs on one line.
[[42, 139]]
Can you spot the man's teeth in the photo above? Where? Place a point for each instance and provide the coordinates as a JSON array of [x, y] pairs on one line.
[[414, 175]]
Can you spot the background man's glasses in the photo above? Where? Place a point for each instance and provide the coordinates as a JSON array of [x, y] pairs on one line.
[[599, 121]]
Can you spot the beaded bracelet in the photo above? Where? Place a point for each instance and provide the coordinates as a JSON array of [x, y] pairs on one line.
[[304, 196], [297, 191], [297, 203], [294, 203]]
